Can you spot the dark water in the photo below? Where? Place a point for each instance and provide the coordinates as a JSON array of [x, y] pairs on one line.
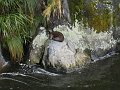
[[104, 74]]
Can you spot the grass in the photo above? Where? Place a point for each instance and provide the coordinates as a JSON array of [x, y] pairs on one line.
[[16, 22]]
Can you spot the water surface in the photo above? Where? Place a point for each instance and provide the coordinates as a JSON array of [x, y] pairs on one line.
[[103, 74]]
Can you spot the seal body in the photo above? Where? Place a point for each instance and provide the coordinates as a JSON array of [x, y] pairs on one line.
[[56, 36]]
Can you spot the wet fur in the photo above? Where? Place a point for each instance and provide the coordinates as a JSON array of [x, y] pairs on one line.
[[56, 36]]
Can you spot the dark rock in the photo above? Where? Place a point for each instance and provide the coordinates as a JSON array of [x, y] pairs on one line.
[[4, 66], [118, 47]]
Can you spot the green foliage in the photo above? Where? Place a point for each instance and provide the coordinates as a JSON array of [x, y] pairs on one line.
[[98, 18], [15, 45], [116, 16], [54, 7], [16, 24], [76, 9], [91, 14]]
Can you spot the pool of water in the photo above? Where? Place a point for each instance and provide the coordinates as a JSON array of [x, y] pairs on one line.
[[103, 74]]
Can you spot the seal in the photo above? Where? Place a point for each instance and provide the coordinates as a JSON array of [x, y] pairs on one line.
[[56, 36]]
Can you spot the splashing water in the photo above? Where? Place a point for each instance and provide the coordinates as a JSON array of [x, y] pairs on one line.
[[33, 69], [82, 38], [79, 39]]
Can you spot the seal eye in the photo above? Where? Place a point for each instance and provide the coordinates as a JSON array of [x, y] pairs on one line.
[[56, 36]]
